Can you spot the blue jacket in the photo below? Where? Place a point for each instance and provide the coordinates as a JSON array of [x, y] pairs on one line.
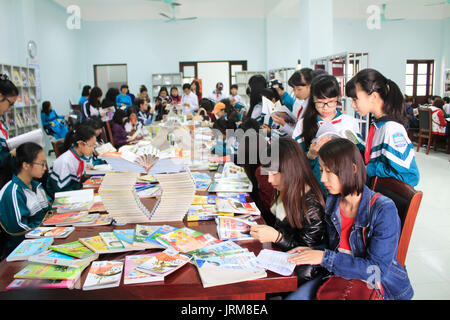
[[380, 253], [59, 130], [123, 99]]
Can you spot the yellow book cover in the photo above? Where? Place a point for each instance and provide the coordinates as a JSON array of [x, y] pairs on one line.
[[96, 244]]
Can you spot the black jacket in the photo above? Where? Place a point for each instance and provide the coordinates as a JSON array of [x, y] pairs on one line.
[[312, 235]]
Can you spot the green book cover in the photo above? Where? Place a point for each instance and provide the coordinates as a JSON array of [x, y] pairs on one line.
[[143, 231], [75, 249], [43, 271]]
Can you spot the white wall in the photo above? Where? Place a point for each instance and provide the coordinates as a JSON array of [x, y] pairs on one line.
[[393, 44]]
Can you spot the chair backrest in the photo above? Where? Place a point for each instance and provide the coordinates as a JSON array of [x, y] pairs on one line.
[[424, 119], [407, 200], [57, 147], [109, 134]]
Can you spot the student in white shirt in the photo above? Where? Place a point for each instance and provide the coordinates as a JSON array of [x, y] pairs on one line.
[[218, 95], [189, 101]]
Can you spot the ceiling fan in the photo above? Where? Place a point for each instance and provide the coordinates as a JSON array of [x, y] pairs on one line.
[[437, 3], [383, 14], [172, 4]]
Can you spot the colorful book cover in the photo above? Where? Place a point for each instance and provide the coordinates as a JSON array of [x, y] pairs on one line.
[[200, 200], [112, 242], [230, 228], [28, 248], [72, 201], [60, 259], [165, 229], [132, 275], [164, 263], [184, 240], [218, 249], [104, 274], [75, 249], [42, 271], [241, 197], [125, 235], [65, 218], [230, 185], [96, 244], [40, 284], [102, 220], [232, 205], [141, 234], [54, 232], [87, 220]]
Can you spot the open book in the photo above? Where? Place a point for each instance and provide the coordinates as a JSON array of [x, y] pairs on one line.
[[127, 161], [270, 108], [328, 130]]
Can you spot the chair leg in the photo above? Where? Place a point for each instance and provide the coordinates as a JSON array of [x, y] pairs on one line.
[[419, 143], [428, 145]]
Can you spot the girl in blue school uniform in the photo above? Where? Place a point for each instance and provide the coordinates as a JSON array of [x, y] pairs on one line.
[[50, 119], [68, 170], [388, 152], [23, 201], [321, 109], [8, 96]]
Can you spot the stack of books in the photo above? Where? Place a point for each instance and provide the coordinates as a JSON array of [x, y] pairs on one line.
[[78, 219], [120, 200], [178, 191], [73, 201]]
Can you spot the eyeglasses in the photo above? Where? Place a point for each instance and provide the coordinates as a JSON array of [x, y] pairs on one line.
[[43, 165], [330, 104], [10, 103], [91, 147]]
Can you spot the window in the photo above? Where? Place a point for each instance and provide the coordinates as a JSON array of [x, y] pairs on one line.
[[108, 76], [419, 79]]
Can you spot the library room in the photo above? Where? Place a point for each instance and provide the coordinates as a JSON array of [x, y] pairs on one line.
[[253, 151]]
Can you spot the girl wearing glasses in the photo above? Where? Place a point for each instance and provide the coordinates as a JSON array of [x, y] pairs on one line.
[[68, 170], [23, 201], [388, 152], [8, 96], [322, 110]]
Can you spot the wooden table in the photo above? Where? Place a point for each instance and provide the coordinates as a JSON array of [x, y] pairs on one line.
[[184, 284]]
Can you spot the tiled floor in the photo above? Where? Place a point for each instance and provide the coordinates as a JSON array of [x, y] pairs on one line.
[[428, 259]]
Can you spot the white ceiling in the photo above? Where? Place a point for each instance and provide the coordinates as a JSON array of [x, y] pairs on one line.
[[98, 10]]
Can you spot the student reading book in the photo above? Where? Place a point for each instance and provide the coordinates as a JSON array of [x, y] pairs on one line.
[[24, 202], [67, 172]]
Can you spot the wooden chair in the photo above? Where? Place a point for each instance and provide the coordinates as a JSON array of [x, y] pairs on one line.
[[407, 200], [425, 125], [57, 147], [75, 107], [109, 134]]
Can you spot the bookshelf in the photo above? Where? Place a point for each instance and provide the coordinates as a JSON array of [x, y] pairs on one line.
[[242, 78], [167, 80], [283, 76], [344, 66], [23, 116]]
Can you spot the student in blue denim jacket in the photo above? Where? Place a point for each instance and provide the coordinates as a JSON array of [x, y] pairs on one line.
[[347, 216]]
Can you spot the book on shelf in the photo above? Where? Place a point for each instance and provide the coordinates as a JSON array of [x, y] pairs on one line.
[[23, 78], [275, 261], [104, 274], [74, 201], [16, 78], [60, 259], [235, 206], [74, 249], [40, 284], [29, 247], [133, 275], [54, 232], [231, 228], [164, 263], [44, 271]]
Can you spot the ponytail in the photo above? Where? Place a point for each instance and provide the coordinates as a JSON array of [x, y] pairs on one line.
[[82, 132], [12, 165], [371, 81]]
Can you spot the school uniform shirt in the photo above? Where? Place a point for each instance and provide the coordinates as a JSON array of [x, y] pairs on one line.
[[67, 173], [438, 123], [145, 118], [139, 125], [446, 108], [192, 100], [340, 122], [21, 208], [257, 114], [4, 150], [217, 97], [296, 106], [82, 100], [238, 99], [121, 99], [59, 130], [176, 99], [390, 153]]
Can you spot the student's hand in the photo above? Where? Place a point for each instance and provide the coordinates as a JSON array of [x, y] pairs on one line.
[[280, 91], [52, 123], [315, 147], [306, 256], [89, 166], [264, 233], [278, 120], [266, 128]]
